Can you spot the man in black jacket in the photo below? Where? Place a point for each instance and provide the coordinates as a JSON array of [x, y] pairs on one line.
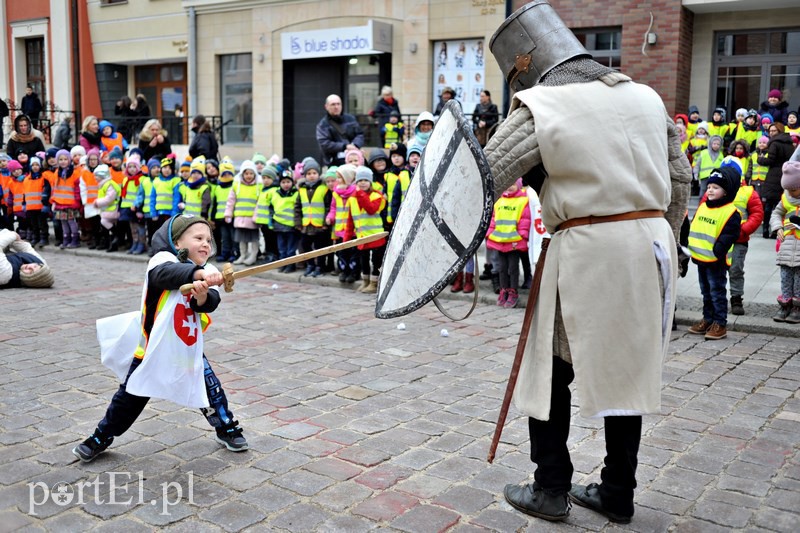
[[337, 132]]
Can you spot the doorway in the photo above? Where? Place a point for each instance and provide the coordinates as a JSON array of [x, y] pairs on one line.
[[164, 88]]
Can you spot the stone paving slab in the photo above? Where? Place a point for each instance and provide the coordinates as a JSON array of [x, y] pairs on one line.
[[355, 425]]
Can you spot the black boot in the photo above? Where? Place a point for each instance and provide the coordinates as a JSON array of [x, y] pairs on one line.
[[496, 283], [737, 307], [487, 272]]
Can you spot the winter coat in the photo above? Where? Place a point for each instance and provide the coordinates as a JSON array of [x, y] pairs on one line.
[[108, 218], [30, 143], [230, 205], [205, 144], [629, 267], [298, 209], [384, 108], [779, 111], [755, 216], [789, 252], [13, 254], [345, 194], [159, 151], [334, 134], [523, 228], [31, 105], [91, 140], [779, 150]]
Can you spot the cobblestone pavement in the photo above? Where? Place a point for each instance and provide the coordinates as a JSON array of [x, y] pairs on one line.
[[355, 424]]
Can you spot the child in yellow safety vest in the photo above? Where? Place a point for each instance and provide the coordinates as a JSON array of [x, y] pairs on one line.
[[169, 361], [393, 132], [715, 228], [338, 215], [196, 193], [365, 208], [263, 217], [312, 204], [508, 234], [707, 160], [107, 203], [227, 248], [240, 208], [128, 215], [785, 220], [758, 174], [282, 212], [398, 180]]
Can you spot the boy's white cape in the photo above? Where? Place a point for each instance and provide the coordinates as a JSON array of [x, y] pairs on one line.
[[172, 368]]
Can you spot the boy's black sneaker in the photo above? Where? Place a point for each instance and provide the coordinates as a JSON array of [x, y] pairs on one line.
[[232, 438], [87, 450]]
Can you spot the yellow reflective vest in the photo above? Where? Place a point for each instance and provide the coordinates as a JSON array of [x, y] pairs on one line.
[[132, 189], [283, 208], [246, 198], [164, 190], [705, 164], [706, 228], [391, 179], [219, 196], [507, 212], [263, 216], [193, 199], [104, 190], [146, 184], [392, 135], [759, 172], [366, 224], [742, 197], [314, 207], [788, 227]]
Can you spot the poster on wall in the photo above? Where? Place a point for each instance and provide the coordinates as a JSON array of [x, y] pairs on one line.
[[458, 64]]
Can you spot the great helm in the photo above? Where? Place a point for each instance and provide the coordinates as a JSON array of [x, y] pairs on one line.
[[531, 42]]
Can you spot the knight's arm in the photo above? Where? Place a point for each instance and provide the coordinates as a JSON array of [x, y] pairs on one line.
[[513, 151], [680, 175]]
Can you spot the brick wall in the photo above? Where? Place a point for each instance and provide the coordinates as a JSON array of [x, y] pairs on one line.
[[667, 65]]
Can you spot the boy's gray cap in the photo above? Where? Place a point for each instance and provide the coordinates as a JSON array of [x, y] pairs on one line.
[[363, 173]]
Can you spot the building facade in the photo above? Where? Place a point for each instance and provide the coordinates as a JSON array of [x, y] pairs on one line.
[[264, 67]]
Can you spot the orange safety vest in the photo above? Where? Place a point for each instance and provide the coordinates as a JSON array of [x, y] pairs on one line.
[[34, 190], [109, 143], [64, 190], [91, 186], [17, 195], [117, 175], [4, 182]]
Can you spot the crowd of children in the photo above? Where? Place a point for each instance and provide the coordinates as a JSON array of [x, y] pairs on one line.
[[746, 180]]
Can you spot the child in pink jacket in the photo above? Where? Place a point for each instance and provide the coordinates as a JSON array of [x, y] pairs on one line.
[[337, 218], [508, 234]]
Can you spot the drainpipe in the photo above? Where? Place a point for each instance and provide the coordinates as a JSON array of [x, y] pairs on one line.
[[76, 66], [192, 66]]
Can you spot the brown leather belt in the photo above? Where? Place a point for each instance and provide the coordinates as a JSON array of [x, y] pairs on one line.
[[591, 219]]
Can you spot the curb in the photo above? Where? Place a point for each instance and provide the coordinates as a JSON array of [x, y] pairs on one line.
[[756, 320]]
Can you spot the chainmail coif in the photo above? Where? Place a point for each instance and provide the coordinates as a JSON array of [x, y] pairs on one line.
[[579, 70]]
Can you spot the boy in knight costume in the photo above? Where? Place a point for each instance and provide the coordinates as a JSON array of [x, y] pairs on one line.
[[169, 362], [617, 209]]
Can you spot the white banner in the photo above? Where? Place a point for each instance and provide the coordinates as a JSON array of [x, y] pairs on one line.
[[374, 38]]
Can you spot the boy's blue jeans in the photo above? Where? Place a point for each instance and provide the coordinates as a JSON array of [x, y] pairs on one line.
[[712, 284], [287, 243], [125, 408]]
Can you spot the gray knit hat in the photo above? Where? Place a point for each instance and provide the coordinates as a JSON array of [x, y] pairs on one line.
[[363, 173], [309, 163], [42, 277]]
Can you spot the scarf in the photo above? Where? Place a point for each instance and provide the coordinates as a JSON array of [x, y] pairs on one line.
[[136, 178], [22, 137], [93, 138], [197, 183], [422, 138]]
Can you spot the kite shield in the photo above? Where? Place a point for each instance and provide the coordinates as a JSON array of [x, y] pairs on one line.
[[443, 220]]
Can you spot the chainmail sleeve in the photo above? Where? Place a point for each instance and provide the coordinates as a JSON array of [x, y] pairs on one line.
[[680, 173], [513, 150]]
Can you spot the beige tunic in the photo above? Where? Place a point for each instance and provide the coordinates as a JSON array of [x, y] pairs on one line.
[[605, 148]]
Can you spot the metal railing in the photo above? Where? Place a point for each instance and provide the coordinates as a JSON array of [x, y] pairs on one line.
[[48, 121], [372, 126]]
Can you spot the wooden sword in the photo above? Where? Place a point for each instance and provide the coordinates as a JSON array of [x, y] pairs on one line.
[[229, 276]]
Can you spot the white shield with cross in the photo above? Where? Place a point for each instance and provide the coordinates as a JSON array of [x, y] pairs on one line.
[[442, 221]]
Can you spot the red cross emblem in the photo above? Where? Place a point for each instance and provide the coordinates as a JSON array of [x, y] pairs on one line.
[[186, 322]]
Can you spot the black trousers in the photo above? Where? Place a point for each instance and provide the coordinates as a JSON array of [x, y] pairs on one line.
[[377, 260], [125, 408], [550, 453], [315, 241]]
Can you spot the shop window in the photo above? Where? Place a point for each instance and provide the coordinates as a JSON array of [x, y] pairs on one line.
[[604, 44], [236, 80], [112, 2]]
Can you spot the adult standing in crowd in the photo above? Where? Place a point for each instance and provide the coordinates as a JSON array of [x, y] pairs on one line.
[[779, 150], [484, 117], [337, 132], [617, 208], [448, 93], [90, 134], [20, 264], [24, 138], [127, 125], [204, 142], [385, 105], [3, 114], [141, 110], [153, 141], [776, 106], [31, 105]]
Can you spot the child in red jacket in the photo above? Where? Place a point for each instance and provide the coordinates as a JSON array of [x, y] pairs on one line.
[[365, 208], [508, 234]]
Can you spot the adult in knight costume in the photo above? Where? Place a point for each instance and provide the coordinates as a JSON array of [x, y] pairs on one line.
[[614, 208]]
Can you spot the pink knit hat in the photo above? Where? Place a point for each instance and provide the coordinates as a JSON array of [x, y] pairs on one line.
[[791, 175], [13, 165]]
